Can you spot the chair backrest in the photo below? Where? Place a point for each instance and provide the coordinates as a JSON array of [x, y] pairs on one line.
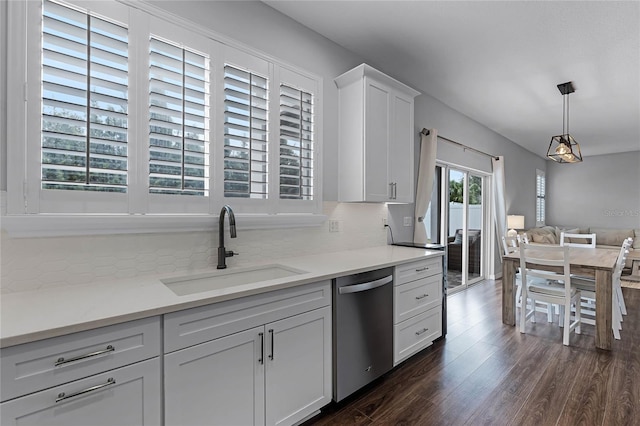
[[622, 257], [509, 244], [545, 255], [584, 240]]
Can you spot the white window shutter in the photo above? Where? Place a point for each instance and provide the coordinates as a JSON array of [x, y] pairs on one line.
[[246, 130], [84, 102], [178, 120]]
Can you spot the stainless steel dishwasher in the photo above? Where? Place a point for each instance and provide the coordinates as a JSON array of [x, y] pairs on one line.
[[362, 330]]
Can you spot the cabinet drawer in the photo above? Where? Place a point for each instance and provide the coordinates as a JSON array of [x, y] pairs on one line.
[[416, 270], [416, 297], [197, 325], [417, 333], [125, 396], [46, 363]]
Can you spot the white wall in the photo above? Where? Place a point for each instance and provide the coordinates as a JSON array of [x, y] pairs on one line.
[[603, 191]]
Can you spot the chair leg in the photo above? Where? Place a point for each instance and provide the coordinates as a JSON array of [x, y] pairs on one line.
[[566, 319], [578, 316], [523, 309], [550, 312], [561, 316], [533, 309]]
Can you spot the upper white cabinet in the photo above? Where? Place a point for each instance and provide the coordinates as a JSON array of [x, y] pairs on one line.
[[376, 137]]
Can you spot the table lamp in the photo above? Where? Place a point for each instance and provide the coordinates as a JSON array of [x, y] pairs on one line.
[[514, 221]]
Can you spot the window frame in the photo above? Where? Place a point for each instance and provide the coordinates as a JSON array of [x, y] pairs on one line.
[[86, 213]]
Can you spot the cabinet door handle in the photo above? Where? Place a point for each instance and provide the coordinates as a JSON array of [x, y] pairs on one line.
[[61, 360], [391, 190], [422, 297], [62, 396], [426, 268], [261, 360], [424, 330], [271, 333], [395, 190]]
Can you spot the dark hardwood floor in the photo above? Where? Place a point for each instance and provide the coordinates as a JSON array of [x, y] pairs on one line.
[[487, 373]]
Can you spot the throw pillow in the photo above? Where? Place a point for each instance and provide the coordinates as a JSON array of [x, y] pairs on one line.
[[543, 238], [559, 231]]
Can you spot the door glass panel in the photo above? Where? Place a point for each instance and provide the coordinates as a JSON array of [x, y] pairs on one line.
[[455, 234]]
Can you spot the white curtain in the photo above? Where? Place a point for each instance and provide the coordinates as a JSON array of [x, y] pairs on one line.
[[500, 207], [426, 171]]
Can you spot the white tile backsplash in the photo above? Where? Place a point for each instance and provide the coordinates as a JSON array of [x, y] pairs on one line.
[[33, 263]]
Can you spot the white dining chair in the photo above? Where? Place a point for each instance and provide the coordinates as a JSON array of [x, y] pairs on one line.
[[587, 287], [588, 302], [557, 288], [510, 245], [584, 240]]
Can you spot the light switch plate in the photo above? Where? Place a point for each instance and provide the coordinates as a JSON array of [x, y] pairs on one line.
[[334, 226]]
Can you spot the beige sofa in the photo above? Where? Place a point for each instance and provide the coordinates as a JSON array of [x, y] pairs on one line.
[[605, 237]]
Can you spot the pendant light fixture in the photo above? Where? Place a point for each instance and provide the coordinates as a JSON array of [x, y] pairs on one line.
[[564, 148]]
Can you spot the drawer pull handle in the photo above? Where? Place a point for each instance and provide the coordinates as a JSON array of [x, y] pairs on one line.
[[261, 360], [62, 396], [426, 268], [424, 330], [422, 297], [61, 360]]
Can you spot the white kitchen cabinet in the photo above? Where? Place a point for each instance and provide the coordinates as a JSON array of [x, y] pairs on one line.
[[220, 382], [125, 396], [106, 376], [418, 304], [376, 161], [276, 373], [298, 366]]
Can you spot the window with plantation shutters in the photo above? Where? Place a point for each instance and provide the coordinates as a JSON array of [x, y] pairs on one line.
[[84, 101], [245, 134], [130, 112], [296, 144], [540, 198], [179, 120]]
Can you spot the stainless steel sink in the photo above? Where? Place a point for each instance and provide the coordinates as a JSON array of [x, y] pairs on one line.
[[198, 283]]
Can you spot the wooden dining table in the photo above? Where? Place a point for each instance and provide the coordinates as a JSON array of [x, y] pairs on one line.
[[597, 263]]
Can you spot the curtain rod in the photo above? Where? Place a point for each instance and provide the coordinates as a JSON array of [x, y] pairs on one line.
[[427, 131]]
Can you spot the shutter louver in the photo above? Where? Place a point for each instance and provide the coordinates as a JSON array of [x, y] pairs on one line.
[[540, 199], [84, 101], [179, 120], [296, 144], [245, 134]]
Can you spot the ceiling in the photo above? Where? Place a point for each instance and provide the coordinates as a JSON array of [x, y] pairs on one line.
[[498, 62]]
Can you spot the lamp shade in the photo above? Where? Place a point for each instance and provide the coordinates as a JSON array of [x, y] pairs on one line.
[[515, 221]]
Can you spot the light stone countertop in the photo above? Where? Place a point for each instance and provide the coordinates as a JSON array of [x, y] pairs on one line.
[[34, 315]]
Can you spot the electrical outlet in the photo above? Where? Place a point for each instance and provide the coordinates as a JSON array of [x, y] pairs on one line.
[[334, 226], [407, 220], [384, 222]]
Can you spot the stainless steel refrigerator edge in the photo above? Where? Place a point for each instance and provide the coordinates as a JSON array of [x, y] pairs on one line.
[[362, 330]]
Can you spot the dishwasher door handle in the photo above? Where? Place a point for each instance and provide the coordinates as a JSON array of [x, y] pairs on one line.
[[355, 288]]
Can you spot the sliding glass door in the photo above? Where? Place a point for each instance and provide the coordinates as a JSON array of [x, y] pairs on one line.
[[456, 219]]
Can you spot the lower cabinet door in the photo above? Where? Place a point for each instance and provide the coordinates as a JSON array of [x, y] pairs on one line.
[[220, 382], [298, 366], [125, 396]]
